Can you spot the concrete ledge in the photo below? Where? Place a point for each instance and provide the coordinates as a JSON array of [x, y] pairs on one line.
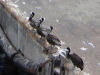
[[19, 60], [20, 35]]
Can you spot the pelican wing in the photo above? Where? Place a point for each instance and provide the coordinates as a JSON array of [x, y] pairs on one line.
[[77, 61]]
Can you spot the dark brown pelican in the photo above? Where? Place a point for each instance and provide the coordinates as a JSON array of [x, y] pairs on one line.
[[41, 30], [32, 22], [53, 40], [76, 60]]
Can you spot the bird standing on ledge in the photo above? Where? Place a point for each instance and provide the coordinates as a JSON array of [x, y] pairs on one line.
[[76, 60], [32, 22], [41, 30], [53, 40]]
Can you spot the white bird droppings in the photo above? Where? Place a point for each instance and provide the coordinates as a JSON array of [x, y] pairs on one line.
[[61, 52], [16, 1], [88, 43], [84, 42], [14, 5], [3, 0], [63, 43], [38, 7], [91, 44], [83, 57], [49, 0], [99, 64], [86, 73], [27, 18], [57, 20], [58, 70]]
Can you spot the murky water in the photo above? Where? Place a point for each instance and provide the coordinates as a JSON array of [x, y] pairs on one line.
[[75, 22]]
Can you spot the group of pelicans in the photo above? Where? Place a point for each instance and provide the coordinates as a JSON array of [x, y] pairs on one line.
[[44, 32], [53, 40]]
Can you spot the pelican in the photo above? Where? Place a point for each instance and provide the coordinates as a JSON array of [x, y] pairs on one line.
[[41, 30], [53, 40], [32, 22], [76, 60]]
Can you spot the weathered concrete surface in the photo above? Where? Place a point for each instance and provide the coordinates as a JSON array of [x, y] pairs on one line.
[[20, 39], [19, 60], [76, 22]]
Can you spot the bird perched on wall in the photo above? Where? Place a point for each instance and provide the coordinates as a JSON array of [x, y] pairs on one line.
[[53, 40], [41, 30], [76, 60], [32, 22], [40, 22]]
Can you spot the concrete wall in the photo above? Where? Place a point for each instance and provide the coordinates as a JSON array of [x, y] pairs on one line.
[[19, 37]]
